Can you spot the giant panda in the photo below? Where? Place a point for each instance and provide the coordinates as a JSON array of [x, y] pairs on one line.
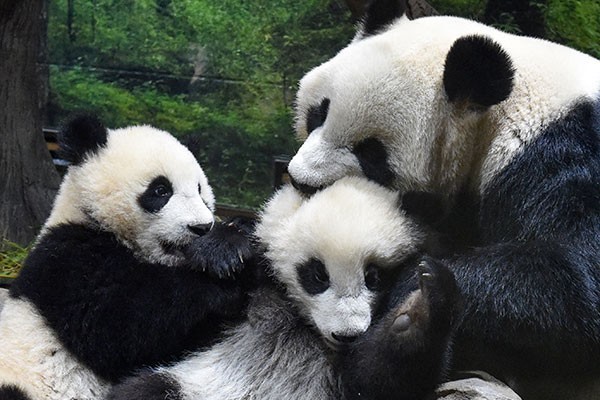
[[507, 129], [332, 258], [128, 271]]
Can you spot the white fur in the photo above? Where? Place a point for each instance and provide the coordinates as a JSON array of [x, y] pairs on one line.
[[106, 186], [254, 364], [273, 355], [352, 223], [34, 359], [390, 86]]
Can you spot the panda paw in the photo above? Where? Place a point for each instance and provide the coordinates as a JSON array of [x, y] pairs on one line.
[[224, 251], [408, 350], [429, 311]]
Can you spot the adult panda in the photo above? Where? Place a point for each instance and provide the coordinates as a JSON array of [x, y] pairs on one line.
[[331, 258], [127, 271], [507, 129]]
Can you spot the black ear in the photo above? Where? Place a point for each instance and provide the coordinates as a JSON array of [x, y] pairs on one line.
[[82, 135], [380, 13], [478, 71], [427, 208]]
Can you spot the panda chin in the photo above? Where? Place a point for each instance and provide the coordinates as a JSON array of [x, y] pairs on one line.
[[173, 251]]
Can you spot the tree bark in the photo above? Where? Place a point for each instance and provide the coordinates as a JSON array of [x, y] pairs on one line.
[[28, 179]]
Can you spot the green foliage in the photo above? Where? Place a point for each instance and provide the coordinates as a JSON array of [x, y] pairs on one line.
[[11, 259], [218, 74], [222, 74], [131, 35], [472, 9], [234, 144], [576, 23], [79, 89]]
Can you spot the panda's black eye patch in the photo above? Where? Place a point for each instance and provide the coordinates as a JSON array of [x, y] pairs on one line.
[[372, 277], [317, 115], [313, 276], [156, 195], [373, 159]]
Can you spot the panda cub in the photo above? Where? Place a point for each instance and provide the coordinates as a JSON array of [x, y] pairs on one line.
[[126, 271], [331, 258]]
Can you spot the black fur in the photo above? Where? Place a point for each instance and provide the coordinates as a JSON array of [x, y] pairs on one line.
[[532, 288], [12, 393], [147, 386], [276, 322], [115, 313], [225, 251], [426, 207], [373, 159], [156, 195], [373, 277], [313, 276], [81, 136], [530, 279], [406, 360], [478, 71], [317, 115], [304, 188], [380, 13]]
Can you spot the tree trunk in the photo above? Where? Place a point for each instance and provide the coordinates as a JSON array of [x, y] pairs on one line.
[[28, 179]]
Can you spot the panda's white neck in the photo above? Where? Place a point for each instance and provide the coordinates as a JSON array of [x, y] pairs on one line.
[[67, 208]]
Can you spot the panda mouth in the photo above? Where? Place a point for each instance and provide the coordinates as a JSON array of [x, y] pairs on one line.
[[304, 188]]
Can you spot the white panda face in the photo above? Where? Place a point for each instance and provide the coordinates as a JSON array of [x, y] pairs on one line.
[[432, 104], [145, 187], [375, 103], [332, 251]]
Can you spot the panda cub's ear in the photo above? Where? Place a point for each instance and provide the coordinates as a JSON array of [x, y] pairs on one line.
[[477, 71], [81, 136]]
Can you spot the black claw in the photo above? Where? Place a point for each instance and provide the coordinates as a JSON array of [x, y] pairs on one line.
[[426, 275]]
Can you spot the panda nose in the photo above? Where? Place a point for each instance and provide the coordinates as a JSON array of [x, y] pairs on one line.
[[200, 229], [344, 338]]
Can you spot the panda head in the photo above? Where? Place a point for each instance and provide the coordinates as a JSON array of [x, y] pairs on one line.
[[139, 183], [333, 251], [393, 102], [432, 103]]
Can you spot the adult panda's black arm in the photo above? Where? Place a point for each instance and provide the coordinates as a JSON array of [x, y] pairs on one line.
[[532, 287], [115, 313]]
